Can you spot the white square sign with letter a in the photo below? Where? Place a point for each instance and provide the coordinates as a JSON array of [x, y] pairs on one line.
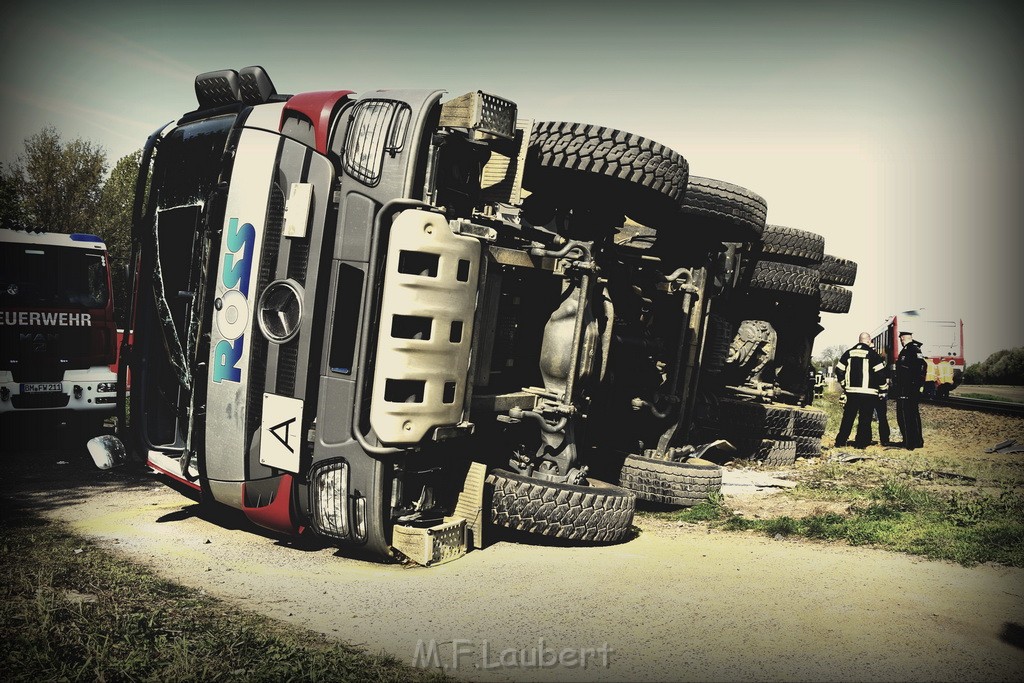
[[280, 434]]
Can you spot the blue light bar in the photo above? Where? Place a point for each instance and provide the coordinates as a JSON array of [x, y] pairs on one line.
[[85, 237]]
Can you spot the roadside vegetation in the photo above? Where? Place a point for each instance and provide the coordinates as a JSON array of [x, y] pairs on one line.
[[988, 397], [1002, 367], [948, 501], [72, 611]]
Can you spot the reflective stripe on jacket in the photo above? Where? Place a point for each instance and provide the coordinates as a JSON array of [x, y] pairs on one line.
[[862, 371]]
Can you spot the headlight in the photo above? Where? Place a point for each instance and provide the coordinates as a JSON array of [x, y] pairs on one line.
[[106, 387], [329, 505]]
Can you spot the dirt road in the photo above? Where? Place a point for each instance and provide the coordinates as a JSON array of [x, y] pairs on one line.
[[675, 603]]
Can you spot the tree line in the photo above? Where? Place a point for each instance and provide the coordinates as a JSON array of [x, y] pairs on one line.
[[63, 186], [1002, 367]]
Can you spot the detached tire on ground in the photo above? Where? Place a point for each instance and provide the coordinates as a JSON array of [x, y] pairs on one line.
[[598, 512], [837, 271], [671, 483], [835, 299], [576, 164]]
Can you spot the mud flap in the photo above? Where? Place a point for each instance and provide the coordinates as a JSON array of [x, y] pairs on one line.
[[471, 504]]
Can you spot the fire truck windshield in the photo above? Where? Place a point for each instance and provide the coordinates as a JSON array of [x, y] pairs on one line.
[[52, 276]]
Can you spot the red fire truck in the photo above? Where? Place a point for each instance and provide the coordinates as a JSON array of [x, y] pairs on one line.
[[57, 329]]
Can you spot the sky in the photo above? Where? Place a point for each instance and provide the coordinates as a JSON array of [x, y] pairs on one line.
[[891, 128]]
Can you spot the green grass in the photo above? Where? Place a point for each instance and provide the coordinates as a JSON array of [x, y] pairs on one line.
[[934, 503], [968, 528], [988, 397], [136, 626]]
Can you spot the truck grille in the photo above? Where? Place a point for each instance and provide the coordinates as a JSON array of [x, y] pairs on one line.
[[258, 351], [287, 366], [288, 356], [298, 260]]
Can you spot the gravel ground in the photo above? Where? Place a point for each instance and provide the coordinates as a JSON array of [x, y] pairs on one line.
[[674, 603]]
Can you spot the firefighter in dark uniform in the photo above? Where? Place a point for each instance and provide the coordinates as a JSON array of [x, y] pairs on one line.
[[861, 374], [881, 407], [911, 369]]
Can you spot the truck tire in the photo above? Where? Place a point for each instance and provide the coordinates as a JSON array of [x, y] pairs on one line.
[[754, 420], [671, 483], [724, 211], [809, 422], [775, 452], [835, 299], [578, 163], [837, 271], [784, 279], [808, 446], [598, 512], [791, 245], [782, 454]]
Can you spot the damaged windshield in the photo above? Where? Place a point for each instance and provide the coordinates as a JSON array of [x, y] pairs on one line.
[[187, 169], [188, 161]]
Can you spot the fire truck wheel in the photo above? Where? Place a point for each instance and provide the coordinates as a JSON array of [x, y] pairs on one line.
[[837, 271], [835, 299], [671, 483], [597, 512], [791, 245], [784, 279], [809, 422], [582, 165], [727, 212]]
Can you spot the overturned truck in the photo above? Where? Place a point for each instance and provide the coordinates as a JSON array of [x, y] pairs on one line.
[[391, 318]]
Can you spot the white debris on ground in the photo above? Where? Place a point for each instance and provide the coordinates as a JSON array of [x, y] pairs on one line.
[[749, 482]]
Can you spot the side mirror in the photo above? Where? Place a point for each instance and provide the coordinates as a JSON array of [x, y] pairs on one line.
[[107, 451]]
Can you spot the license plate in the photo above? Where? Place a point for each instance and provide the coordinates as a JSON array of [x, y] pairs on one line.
[[41, 387]]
